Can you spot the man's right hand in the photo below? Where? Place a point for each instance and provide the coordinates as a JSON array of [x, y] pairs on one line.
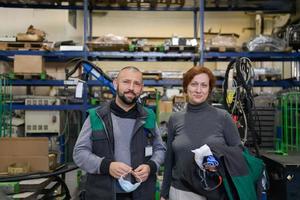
[[117, 169]]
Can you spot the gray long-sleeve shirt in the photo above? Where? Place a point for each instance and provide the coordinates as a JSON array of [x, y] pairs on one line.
[[189, 130]]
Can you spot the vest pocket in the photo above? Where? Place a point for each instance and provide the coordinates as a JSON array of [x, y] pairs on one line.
[[98, 138], [100, 144]]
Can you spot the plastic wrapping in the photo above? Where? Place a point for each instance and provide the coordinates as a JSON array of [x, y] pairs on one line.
[[111, 39], [224, 41], [266, 43]]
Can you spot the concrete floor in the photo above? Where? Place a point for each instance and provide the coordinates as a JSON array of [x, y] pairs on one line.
[[71, 181]]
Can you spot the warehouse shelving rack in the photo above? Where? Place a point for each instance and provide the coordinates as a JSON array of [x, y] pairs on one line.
[[200, 7], [287, 6]]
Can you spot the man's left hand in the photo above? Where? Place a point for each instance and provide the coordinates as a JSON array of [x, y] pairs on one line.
[[142, 172]]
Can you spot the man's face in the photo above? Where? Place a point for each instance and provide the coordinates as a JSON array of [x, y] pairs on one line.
[[129, 86]]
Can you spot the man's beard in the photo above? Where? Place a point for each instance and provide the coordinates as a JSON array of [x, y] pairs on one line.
[[126, 100]]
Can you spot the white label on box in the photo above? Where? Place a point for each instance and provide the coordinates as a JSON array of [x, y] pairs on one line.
[[79, 90]]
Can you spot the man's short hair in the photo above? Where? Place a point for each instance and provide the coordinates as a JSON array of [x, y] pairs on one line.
[[131, 68]]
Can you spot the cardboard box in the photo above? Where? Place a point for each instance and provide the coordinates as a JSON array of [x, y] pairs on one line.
[[27, 64], [165, 106], [179, 99], [33, 151]]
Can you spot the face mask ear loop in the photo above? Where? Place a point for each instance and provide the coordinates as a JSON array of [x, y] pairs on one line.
[[126, 173], [140, 180]]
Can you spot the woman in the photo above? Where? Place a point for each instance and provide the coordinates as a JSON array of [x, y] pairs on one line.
[[199, 124]]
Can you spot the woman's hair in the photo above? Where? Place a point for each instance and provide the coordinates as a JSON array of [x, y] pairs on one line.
[[191, 73]]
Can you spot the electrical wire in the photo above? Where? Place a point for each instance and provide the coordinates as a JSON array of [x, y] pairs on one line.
[[242, 108], [78, 62]]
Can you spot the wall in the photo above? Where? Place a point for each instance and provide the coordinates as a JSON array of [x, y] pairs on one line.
[[166, 24], [53, 22]]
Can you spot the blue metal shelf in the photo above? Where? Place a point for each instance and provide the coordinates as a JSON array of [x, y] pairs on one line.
[[157, 56], [49, 55], [254, 56], [52, 107], [113, 55], [166, 82], [277, 83], [41, 6], [92, 83]]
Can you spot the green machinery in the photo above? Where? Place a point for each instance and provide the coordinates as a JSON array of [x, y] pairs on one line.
[[288, 135], [5, 106]]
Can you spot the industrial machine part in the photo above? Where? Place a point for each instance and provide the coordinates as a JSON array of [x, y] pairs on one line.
[[293, 36], [37, 121], [283, 174]]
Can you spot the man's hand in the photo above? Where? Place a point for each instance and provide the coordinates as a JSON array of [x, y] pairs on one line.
[[117, 169], [141, 173]]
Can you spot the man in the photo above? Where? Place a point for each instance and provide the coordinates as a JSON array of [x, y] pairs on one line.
[[120, 146]]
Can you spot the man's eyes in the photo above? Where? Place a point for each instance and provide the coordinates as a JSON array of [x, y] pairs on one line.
[[129, 82]]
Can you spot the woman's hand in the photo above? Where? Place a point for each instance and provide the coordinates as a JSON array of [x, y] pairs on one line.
[[161, 198]]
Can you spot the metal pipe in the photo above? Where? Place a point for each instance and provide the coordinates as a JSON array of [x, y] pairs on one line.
[[195, 21], [85, 26], [195, 27], [201, 19], [90, 24]]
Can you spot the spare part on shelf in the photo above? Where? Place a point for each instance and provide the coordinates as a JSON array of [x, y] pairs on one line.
[[238, 98], [293, 36], [266, 43], [37, 121]]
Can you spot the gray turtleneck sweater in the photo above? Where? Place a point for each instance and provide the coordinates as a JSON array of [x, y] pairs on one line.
[[190, 129]]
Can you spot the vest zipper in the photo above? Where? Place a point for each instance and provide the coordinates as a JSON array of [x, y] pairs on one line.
[[106, 133]]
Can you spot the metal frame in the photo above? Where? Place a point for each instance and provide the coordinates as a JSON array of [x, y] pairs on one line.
[[141, 56], [282, 6]]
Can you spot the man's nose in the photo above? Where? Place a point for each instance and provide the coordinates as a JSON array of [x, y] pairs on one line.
[[131, 86]]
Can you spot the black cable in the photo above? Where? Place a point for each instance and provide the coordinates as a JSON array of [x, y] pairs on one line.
[[38, 175], [242, 106], [78, 62]]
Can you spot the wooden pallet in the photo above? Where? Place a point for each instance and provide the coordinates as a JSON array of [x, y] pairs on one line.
[[152, 75], [24, 46], [222, 49], [108, 47]]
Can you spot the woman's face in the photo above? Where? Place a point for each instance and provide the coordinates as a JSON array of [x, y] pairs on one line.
[[198, 89]]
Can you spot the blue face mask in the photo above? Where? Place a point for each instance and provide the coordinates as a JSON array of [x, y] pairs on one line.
[[127, 186]]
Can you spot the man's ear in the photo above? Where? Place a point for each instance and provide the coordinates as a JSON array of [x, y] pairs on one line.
[[115, 83]]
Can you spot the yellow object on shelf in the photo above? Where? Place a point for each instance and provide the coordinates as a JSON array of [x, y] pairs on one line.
[[18, 168]]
